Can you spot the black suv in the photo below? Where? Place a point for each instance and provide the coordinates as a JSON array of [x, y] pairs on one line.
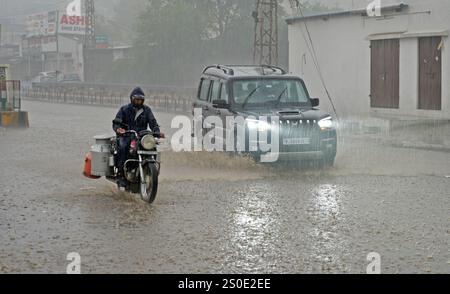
[[254, 92]]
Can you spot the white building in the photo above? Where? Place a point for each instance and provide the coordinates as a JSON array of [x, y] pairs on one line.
[[396, 65]]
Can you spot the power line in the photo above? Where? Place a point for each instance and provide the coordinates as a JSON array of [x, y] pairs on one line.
[[311, 48]]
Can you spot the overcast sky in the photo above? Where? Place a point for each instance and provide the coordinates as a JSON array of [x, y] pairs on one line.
[[29, 6], [25, 7]]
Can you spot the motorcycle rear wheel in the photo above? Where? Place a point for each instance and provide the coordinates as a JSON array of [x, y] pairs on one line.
[[149, 189]]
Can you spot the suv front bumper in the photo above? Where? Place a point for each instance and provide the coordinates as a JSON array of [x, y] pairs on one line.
[[325, 148]]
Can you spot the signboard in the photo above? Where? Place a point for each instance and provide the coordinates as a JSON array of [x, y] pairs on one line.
[[42, 24], [101, 41], [73, 25], [53, 22], [2, 73]]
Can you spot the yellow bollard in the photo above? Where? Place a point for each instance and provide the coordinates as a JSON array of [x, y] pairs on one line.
[[13, 119], [9, 119]]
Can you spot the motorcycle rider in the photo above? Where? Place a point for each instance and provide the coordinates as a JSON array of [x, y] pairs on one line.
[[138, 117]]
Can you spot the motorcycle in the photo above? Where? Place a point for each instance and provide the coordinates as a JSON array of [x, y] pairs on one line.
[[141, 170]]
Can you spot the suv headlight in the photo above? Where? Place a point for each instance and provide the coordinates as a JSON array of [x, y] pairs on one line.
[[254, 124], [148, 142], [326, 123]]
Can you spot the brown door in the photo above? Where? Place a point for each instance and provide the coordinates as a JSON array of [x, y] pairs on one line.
[[385, 73], [430, 73]]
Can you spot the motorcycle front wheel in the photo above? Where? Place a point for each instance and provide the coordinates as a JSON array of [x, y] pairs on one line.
[[149, 189]]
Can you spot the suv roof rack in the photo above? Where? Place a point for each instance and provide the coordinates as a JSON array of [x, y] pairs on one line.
[[229, 69], [273, 68]]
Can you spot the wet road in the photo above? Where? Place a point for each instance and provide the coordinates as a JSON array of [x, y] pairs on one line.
[[214, 214]]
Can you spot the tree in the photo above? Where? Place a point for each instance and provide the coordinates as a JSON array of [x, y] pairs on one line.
[[175, 39], [170, 39]]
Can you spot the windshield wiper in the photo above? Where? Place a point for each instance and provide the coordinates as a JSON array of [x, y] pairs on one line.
[[250, 96], [281, 96]]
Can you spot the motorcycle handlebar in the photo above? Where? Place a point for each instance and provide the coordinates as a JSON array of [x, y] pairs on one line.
[[160, 136], [131, 132]]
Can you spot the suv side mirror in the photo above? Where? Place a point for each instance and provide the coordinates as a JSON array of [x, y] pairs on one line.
[[220, 104], [315, 102]]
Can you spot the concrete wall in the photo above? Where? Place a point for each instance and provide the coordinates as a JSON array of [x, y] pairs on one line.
[[342, 46], [63, 63]]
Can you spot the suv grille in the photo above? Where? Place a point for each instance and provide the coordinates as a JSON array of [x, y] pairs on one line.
[[299, 135]]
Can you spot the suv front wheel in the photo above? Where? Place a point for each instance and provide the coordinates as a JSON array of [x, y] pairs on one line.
[[328, 161]]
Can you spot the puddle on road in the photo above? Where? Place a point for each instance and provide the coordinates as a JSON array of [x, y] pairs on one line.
[[253, 240], [328, 247], [327, 201], [106, 206], [351, 160], [103, 189], [199, 166]]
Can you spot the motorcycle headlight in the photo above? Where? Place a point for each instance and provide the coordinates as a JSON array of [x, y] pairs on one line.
[[148, 142], [259, 125], [326, 123]]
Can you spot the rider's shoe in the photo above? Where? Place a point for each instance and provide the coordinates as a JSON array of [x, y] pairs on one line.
[[122, 184]]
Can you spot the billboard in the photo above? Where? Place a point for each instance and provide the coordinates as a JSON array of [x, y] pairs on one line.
[[53, 22], [42, 24], [72, 24]]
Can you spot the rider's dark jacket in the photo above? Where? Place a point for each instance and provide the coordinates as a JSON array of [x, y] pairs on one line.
[[137, 120]]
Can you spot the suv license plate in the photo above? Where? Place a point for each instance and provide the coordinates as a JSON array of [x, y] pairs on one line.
[[297, 141]]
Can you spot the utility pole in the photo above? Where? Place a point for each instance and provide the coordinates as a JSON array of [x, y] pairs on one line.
[[58, 63], [295, 4], [90, 24], [265, 50], [266, 45], [89, 39]]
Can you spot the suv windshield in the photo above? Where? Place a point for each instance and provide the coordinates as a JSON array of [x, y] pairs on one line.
[[279, 92]]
